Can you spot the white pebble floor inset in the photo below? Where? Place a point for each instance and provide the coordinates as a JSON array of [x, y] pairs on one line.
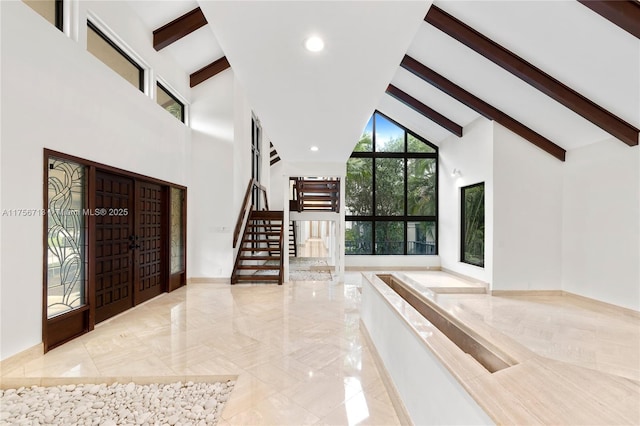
[[117, 404]]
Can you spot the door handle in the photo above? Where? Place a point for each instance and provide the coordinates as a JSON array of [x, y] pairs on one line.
[[134, 239]]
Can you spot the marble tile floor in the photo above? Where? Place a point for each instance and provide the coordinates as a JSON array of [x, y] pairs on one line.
[[441, 282], [313, 247], [297, 350], [562, 328], [310, 269]]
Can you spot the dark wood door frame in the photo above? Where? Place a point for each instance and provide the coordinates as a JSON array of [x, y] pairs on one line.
[[62, 328]]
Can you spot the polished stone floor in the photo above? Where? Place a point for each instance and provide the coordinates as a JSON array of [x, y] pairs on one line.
[[300, 357], [313, 247], [297, 349]]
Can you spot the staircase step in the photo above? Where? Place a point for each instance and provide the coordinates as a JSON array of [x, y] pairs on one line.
[[318, 197], [267, 214], [261, 241], [260, 249], [260, 267], [257, 277], [272, 234], [265, 225], [259, 258]]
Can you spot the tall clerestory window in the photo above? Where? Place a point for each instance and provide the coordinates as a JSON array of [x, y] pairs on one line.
[[391, 192]]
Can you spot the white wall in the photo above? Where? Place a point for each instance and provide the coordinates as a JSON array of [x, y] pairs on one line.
[[472, 155], [211, 222], [131, 34], [220, 171], [242, 144], [277, 196], [601, 223], [527, 245], [64, 99]]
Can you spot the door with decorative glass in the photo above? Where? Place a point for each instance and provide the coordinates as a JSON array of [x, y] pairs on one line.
[[66, 308], [177, 251], [112, 240]]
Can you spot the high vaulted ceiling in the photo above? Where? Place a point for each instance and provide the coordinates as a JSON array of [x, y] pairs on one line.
[[309, 99], [325, 99]]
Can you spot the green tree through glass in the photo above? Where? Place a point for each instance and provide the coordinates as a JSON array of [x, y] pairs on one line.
[[404, 179]]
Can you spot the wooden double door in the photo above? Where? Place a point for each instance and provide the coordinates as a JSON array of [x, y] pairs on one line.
[[130, 253]]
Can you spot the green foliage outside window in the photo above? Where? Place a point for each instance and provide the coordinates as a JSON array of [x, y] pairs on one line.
[[473, 224], [391, 192]]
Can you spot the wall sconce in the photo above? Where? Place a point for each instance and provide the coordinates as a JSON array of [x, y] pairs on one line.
[[455, 173]]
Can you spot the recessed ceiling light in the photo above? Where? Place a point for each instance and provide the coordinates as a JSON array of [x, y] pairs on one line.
[[314, 44], [314, 148]]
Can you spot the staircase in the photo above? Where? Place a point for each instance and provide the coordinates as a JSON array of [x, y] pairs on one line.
[[260, 254], [293, 246], [320, 195]]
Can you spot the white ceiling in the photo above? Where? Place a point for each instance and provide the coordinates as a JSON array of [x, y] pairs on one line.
[[326, 99], [567, 40], [501, 89], [322, 99]]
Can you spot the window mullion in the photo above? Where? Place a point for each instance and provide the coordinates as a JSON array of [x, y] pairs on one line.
[[373, 186], [406, 213]]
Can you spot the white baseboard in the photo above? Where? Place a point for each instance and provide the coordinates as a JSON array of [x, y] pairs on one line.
[[16, 361]]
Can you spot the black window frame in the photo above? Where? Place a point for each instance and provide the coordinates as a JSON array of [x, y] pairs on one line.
[[106, 38], [405, 218], [59, 15], [172, 96], [463, 189]]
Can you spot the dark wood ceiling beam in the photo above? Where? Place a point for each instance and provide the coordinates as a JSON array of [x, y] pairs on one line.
[[532, 75], [623, 13], [209, 71], [480, 106], [178, 28], [430, 113]]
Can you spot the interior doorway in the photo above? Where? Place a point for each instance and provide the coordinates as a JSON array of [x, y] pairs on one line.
[[313, 261], [314, 239]]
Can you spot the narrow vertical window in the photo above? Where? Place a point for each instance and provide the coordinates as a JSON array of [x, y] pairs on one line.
[[51, 10], [169, 102], [66, 242], [472, 226], [256, 159], [100, 46], [177, 230]]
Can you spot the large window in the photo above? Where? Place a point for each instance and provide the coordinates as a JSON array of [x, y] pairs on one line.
[[391, 192], [106, 50], [472, 224]]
